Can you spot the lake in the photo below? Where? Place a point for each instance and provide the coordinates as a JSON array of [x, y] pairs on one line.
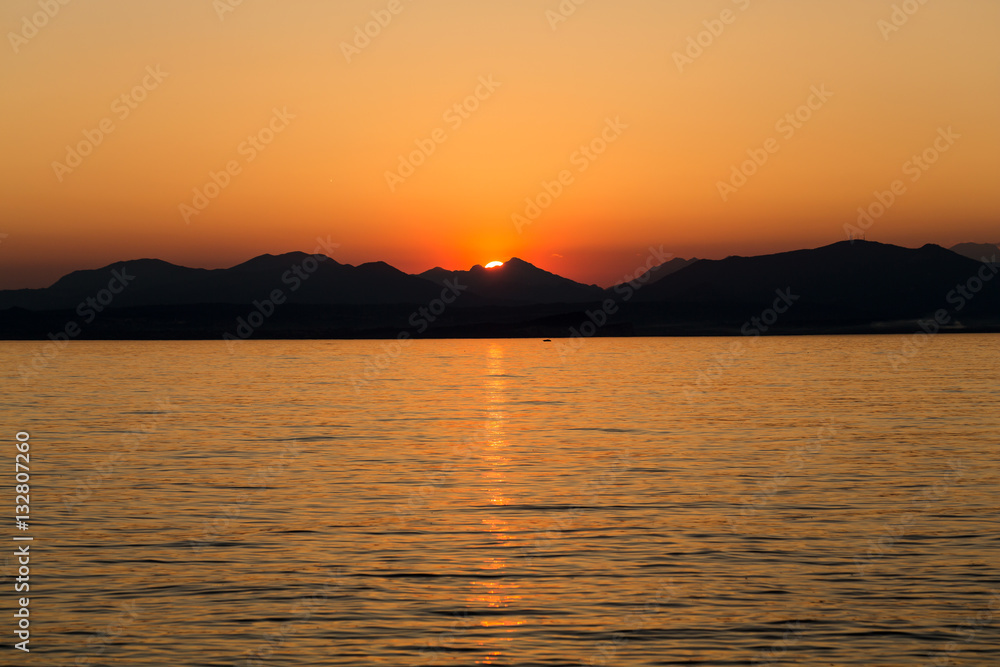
[[699, 501]]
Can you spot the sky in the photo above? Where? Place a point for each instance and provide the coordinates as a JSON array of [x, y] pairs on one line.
[[452, 133]]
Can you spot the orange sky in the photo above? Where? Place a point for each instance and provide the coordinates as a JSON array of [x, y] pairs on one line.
[[199, 81]]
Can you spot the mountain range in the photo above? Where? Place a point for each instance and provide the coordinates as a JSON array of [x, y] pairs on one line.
[[846, 287]]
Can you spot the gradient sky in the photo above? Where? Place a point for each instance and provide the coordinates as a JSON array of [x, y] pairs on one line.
[[324, 174]]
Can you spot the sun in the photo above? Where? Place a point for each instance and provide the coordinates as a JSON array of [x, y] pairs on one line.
[[494, 265]]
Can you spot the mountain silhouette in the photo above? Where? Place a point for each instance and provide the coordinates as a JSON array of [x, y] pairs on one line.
[[846, 287], [158, 283], [989, 252], [660, 272], [846, 280], [517, 282]]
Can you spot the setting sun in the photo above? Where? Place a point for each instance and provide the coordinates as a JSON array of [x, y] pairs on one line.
[[260, 264]]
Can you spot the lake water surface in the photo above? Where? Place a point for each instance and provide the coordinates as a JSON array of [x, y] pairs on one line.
[[712, 501]]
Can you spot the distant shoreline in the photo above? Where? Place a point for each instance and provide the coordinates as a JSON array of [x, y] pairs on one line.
[[841, 289], [228, 323]]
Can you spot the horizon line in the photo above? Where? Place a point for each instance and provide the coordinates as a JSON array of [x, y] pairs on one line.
[[482, 266]]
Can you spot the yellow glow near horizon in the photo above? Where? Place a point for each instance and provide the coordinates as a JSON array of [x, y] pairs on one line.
[[494, 265]]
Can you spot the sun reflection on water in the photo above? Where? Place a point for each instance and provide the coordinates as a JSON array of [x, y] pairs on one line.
[[496, 592]]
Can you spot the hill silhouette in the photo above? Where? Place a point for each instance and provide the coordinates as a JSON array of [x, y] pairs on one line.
[[846, 287], [988, 252], [518, 282], [159, 283], [859, 279]]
